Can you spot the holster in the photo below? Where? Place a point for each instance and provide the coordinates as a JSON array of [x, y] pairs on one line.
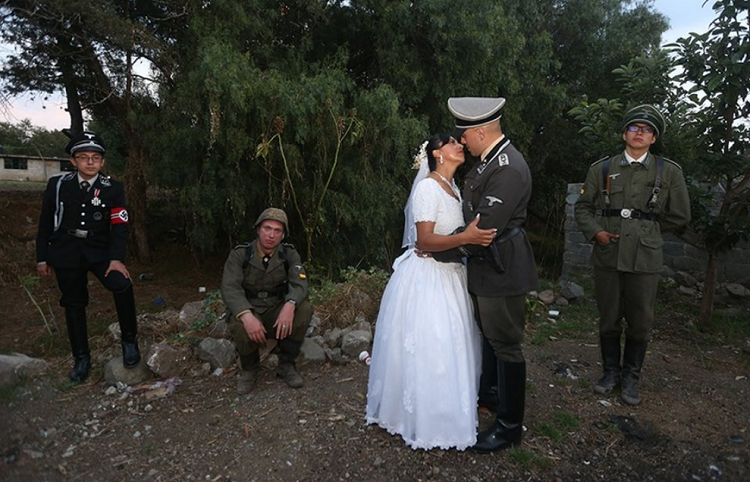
[[454, 255]]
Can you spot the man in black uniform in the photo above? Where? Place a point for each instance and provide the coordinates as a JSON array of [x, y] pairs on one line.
[[265, 289], [84, 227], [497, 190]]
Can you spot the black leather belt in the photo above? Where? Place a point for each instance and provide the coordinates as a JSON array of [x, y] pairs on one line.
[[81, 233], [506, 235], [628, 214]]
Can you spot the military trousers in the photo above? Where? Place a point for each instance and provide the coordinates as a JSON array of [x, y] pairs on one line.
[[73, 282], [625, 300], [245, 346], [501, 321]]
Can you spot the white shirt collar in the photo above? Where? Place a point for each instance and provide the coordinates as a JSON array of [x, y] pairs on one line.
[[631, 159], [90, 181]]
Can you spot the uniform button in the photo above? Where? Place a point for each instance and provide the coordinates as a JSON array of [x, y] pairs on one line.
[[83, 214], [83, 223], [83, 205]]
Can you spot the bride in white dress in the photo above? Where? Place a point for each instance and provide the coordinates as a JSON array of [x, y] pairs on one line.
[[427, 349]]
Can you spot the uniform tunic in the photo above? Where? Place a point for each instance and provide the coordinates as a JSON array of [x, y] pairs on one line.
[[498, 189], [639, 248]]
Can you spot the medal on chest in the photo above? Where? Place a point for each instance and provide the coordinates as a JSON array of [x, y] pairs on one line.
[[96, 201]]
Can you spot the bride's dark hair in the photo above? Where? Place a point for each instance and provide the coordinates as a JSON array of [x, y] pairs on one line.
[[436, 142]]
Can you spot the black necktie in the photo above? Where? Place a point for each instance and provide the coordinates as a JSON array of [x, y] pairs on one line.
[[85, 186]]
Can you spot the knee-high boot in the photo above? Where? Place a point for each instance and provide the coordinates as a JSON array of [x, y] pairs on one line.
[[488, 380], [75, 320], [125, 306], [632, 363], [610, 347], [511, 393]]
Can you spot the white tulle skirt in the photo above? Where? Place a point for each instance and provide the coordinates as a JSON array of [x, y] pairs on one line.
[[426, 356]]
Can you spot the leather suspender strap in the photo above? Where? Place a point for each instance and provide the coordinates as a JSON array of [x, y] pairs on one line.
[[606, 182]]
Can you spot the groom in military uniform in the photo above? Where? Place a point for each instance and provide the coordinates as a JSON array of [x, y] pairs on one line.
[[497, 190]]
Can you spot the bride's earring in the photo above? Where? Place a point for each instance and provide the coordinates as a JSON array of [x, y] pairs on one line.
[[441, 159]]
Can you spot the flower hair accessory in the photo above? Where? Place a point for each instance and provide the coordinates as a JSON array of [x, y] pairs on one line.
[[421, 158]]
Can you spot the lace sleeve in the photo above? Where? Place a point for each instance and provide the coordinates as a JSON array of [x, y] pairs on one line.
[[426, 201]]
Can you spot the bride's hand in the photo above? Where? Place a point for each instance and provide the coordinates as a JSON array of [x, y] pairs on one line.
[[475, 235]]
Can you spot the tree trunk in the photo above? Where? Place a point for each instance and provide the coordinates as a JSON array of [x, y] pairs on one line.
[[136, 186], [709, 288]]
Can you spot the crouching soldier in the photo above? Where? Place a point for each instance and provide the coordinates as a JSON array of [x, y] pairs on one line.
[[265, 289]]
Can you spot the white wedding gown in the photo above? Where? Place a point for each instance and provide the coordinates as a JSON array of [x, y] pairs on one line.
[[426, 354]]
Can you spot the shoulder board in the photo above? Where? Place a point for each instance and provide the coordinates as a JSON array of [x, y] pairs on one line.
[[600, 160], [243, 245], [673, 163], [289, 245]]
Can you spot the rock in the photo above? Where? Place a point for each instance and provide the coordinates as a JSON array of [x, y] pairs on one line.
[[218, 352], [362, 325], [355, 341], [686, 279], [314, 328], [202, 370], [687, 291], [189, 313], [572, 292], [166, 361], [114, 372], [737, 290], [311, 351], [17, 365], [561, 302], [667, 272], [219, 329], [547, 297], [114, 331], [333, 337]]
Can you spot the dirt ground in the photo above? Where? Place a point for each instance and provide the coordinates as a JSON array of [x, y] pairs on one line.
[[692, 424]]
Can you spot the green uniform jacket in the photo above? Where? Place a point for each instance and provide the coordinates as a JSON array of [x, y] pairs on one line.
[[499, 189], [257, 288], [639, 248]]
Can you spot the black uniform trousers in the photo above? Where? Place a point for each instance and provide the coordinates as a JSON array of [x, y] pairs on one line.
[[73, 282], [502, 322]]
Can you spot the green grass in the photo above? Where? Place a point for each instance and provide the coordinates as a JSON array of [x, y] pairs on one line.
[[528, 459], [562, 422]]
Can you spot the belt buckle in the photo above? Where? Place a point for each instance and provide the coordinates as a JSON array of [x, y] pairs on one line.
[[81, 233], [626, 213]]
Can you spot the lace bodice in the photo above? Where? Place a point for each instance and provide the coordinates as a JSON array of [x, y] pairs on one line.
[[433, 204]]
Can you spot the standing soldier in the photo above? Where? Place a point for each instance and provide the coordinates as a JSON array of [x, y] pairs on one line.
[[265, 289], [626, 204], [84, 227], [497, 191]]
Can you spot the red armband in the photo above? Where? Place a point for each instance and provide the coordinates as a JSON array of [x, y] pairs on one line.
[[118, 216]]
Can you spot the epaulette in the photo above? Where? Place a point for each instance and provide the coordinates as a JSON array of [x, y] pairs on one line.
[[673, 163], [289, 245], [243, 245], [600, 160]]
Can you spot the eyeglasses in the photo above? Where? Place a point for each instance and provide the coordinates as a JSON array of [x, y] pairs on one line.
[[643, 129], [96, 159]]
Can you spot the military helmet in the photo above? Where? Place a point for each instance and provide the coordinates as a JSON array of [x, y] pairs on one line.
[[274, 214]]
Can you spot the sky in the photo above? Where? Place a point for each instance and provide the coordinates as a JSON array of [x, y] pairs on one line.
[[684, 16]]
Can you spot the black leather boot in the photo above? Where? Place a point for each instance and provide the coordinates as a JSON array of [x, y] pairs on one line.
[[287, 368], [610, 347], [507, 430], [75, 320], [632, 362], [125, 306], [488, 380]]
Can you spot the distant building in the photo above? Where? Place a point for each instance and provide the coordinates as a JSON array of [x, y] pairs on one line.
[[14, 167]]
